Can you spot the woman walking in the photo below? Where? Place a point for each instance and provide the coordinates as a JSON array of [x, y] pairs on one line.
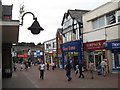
[[42, 68]]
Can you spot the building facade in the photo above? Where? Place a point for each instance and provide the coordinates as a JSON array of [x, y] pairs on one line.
[[10, 31], [72, 36], [101, 35], [27, 53], [59, 41], [0, 45], [50, 51]]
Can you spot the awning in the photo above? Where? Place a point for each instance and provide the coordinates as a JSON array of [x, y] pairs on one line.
[[10, 31]]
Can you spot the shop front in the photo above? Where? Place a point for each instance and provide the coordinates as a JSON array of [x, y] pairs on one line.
[[48, 58], [95, 52], [71, 51], [60, 60], [114, 47]]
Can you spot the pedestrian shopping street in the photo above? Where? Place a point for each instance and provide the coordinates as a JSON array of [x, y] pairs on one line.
[[57, 79]]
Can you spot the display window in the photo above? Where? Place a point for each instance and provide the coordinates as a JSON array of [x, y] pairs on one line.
[[116, 60]]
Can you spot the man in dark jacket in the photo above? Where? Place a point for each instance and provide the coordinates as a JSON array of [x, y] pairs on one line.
[[68, 70], [80, 66]]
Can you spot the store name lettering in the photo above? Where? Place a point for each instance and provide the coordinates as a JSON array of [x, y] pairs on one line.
[[69, 48], [115, 44], [94, 44]]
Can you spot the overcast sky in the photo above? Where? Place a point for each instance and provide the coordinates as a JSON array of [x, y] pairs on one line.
[[49, 14]]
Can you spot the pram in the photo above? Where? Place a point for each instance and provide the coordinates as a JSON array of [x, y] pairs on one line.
[[99, 70]]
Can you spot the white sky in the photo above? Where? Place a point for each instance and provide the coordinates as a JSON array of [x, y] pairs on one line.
[[49, 13]]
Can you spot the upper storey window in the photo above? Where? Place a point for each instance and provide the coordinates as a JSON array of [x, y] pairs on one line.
[[99, 22], [118, 15]]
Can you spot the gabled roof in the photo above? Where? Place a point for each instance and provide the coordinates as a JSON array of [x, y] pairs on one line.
[[59, 30], [7, 10], [75, 14]]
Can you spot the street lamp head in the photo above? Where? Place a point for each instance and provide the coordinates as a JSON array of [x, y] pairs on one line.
[[35, 27]]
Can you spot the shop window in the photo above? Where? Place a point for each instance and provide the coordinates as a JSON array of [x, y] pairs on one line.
[[111, 18], [95, 24], [47, 46], [53, 44], [116, 59]]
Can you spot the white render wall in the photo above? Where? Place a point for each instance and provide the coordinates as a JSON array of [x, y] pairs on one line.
[[50, 49], [113, 32], [100, 11], [106, 33], [94, 36], [51, 45]]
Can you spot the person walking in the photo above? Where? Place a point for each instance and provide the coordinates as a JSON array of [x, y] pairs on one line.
[[91, 69], [42, 68], [80, 66], [47, 66], [103, 66], [15, 66], [53, 66], [21, 67], [77, 69], [68, 70], [26, 66]]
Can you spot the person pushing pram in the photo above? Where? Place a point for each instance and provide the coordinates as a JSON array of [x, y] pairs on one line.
[[99, 70]]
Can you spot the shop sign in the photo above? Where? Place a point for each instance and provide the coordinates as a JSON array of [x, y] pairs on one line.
[[48, 54], [25, 56], [97, 45], [59, 55], [71, 47], [54, 54], [112, 45]]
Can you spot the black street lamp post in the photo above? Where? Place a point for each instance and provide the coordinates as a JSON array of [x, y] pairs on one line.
[[35, 27]]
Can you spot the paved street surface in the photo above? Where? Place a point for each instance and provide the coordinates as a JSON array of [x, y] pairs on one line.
[[57, 79]]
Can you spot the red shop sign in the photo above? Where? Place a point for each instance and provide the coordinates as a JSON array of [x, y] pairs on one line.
[[48, 54], [25, 56], [97, 45]]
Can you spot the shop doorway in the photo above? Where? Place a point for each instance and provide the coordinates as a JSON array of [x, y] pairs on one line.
[[97, 59]]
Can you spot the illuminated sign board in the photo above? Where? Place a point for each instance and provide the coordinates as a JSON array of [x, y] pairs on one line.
[[74, 46]]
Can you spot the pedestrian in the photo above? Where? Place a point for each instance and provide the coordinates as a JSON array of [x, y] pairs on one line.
[[26, 66], [47, 66], [15, 66], [99, 70], [42, 68], [77, 69], [91, 69], [68, 70], [53, 66], [103, 66], [80, 66], [21, 66], [106, 60]]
